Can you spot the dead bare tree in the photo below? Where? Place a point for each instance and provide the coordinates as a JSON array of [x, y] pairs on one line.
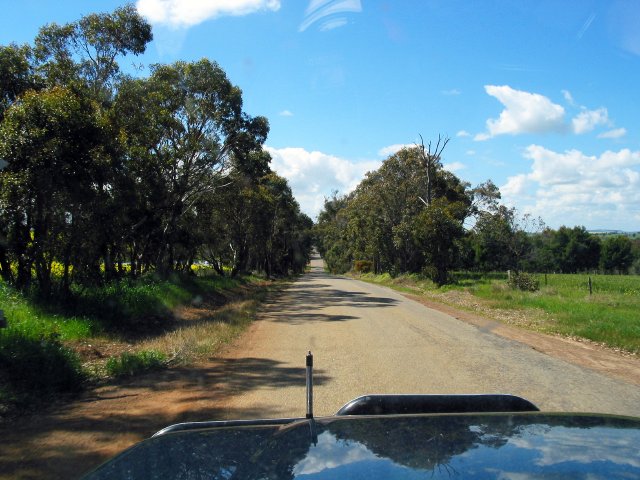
[[431, 160]]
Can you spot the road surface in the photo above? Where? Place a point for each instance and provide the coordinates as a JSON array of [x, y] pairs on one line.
[[369, 339]]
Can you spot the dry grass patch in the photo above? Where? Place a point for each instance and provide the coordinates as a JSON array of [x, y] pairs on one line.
[[196, 331], [204, 332]]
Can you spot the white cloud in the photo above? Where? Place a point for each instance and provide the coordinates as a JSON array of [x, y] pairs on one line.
[[470, 152], [186, 13], [568, 97], [330, 13], [330, 453], [454, 166], [332, 23], [516, 186], [524, 113], [587, 120], [559, 446], [453, 91], [286, 113], [314, 175], [391, 149], [573, 188], [615, 133], [463, 133]]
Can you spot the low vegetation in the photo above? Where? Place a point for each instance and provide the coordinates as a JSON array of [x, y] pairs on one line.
[[127, 364], [51, 351], [562, 305]]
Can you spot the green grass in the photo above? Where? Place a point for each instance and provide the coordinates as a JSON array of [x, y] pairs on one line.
[[35, 369], [128, 364], [38, 358], [610, 315], [33, 321]]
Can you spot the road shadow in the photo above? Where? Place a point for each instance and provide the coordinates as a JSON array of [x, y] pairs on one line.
[[71, 439], [305, 299]]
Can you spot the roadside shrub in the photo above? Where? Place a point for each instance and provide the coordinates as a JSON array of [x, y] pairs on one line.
[[128, 364], [363, 266], [37, 367], [524, 281]]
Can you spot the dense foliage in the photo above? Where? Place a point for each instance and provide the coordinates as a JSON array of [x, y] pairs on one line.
[[387, 220], [387, 226], [105, 175]]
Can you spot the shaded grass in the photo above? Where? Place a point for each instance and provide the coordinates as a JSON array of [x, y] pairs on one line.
[[33, 369], [609, 316], [128, 327], [33, 320]]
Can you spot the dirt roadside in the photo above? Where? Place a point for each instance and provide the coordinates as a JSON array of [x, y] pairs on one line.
[[579, 352], [70, 439]]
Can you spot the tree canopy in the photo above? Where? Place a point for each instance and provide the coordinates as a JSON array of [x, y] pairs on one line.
[[413, 216], [107, 176]]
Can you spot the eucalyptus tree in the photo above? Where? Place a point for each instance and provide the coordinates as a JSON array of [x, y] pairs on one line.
[[16, 74], [329, 236], [185, 130], [48, 139], [387, 221], [60, 146], [495, 238], [617, 254], [87, 51]]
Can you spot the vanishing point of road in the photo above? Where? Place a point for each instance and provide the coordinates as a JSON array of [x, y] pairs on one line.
[[369, 339]]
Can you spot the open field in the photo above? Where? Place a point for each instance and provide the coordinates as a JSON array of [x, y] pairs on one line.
[[563, 305]]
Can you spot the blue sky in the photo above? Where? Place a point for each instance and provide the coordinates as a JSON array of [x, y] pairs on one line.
[[541, 97]]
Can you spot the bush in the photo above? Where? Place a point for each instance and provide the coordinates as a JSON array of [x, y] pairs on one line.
[[37, 367], [363, 266], [524, 281], [128, 364]]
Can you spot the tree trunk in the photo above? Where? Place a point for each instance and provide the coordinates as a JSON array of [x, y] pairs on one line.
[[5, 266]]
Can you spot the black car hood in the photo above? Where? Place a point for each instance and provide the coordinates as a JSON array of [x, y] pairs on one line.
[[494, 446]]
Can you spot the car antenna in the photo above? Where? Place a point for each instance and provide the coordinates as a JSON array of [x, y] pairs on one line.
[[309, 385], [312, 422]]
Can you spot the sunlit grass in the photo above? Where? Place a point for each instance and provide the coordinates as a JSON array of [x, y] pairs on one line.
[[32, 321], [563, 305], [127, 364], [202, 339]]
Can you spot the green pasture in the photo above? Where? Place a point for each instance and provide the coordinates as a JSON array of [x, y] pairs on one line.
[[609, 315]]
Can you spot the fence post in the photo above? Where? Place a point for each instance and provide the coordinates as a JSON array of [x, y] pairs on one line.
[[590, 286]]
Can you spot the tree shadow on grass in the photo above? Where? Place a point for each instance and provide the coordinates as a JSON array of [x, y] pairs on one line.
[[134, 309]]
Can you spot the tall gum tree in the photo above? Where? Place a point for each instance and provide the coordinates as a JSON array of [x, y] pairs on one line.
[[184, 126]]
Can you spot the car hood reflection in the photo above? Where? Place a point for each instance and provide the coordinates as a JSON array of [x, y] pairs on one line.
[[402, 447]]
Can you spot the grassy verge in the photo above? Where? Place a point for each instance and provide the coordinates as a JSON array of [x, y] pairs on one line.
[[563, 305], [51, 350]]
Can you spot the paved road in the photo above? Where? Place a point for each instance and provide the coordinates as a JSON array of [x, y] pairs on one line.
[[369, 339]]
